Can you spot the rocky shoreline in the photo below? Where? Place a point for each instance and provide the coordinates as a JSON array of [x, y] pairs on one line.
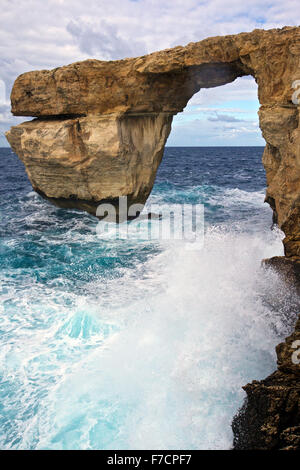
[[270, 416]]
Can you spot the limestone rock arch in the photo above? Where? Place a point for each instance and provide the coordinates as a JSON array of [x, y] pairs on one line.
[[100, 131], [101, 127]]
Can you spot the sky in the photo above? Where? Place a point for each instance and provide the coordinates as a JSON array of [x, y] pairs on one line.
[[43, 34]]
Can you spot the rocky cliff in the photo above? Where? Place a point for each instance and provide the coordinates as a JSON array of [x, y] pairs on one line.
[[100, 131], [270, 416], [80, 162], [101, 126]]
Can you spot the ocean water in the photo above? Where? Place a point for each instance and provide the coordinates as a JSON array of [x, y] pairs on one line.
[[117, 344]]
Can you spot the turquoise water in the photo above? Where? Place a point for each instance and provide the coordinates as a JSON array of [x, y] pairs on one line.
[[117, 344]]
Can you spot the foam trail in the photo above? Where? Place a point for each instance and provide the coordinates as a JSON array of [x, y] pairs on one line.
[[155, 360], [132, 344]]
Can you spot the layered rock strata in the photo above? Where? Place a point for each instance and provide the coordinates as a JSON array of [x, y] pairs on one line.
[[78, 162]]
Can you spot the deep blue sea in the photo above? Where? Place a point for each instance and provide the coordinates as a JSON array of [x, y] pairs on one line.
[[137, 344]]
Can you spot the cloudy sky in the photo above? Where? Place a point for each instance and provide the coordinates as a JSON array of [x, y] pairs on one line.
[[39, 34]]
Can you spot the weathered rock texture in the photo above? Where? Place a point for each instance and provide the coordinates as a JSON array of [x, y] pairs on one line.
[[270, 417], [80, 162], [100, 132], [102, 126]]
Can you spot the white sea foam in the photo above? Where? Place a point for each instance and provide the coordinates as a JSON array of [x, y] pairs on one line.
[[153, 359]]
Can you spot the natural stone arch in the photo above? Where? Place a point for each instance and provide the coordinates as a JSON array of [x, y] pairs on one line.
[[101, 126], [100, 133]]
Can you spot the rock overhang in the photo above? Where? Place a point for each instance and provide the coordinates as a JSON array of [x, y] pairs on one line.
[[136, 98], [100, 132]]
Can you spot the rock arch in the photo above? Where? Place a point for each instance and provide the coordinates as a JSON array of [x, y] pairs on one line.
[[100, 131], [101, 126]]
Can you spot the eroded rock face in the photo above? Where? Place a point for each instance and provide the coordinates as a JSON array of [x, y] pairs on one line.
[[102, 126], [80, 162], [100, 133], [270, 416]]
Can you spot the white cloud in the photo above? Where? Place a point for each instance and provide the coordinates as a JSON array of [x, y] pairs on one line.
[[202, 132], [37, 34], [241, 89], [224, 118], [101, 39]]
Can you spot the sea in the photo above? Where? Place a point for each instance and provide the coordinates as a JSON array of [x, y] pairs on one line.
[[110, 342]]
